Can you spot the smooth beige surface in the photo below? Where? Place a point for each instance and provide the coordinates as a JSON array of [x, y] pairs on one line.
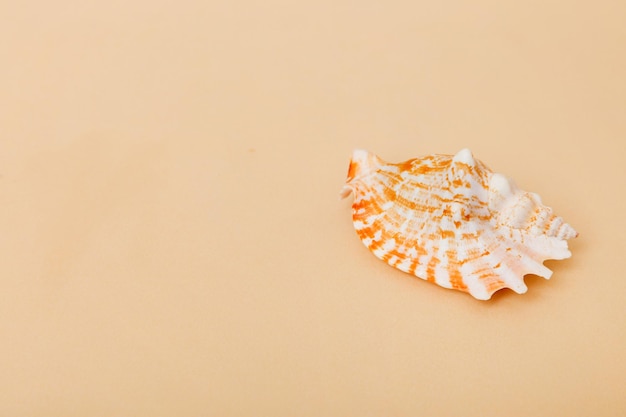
[[171, 239]]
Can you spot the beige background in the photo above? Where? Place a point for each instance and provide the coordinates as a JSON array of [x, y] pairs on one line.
[[171, 239]]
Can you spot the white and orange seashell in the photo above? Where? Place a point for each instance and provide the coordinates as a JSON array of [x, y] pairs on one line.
[[452, 221]]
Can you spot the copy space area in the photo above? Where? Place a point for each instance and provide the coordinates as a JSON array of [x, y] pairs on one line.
[[172, 241]]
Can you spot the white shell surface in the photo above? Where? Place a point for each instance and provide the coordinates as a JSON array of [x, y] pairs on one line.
[[452, 221]]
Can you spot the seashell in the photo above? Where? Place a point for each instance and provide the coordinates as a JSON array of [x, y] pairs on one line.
[[451, 220]]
